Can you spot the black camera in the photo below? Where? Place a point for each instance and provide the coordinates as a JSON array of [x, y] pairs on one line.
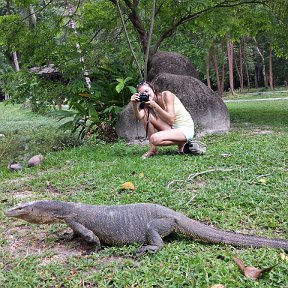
[[143, 97]]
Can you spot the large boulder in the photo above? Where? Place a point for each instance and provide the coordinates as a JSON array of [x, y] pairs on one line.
[[173, 72], [170, 62], [127, 127], [207, 109]]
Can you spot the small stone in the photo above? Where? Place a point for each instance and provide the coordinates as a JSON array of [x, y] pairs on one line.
[[35, 160], [14, 167]]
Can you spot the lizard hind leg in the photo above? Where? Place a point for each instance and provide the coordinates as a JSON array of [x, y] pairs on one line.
[[156, 230]]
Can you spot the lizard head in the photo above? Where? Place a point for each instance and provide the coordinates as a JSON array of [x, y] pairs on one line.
[[38, 212]]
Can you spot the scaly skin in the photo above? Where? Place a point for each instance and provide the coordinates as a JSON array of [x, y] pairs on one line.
[[133, 223]]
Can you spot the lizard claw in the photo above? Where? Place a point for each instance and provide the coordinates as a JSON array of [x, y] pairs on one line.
[[147, 248], [91, 250], [67, 236]]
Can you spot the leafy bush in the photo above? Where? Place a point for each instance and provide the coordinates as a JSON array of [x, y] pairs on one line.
[[26, 134], [93, 110], [93, 113]]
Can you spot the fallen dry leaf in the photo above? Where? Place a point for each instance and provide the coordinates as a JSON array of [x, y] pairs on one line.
[[128, 186], [250, 271], [141, 175], [283, 257], [262, 180]]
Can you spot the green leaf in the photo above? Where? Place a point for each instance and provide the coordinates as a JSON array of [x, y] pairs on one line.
[[66, 126], [132, 89], [92, 111], [120, 87], [80, 108]]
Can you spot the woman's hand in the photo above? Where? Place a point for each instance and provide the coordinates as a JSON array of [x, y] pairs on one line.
[[135, 97], [151, 104]]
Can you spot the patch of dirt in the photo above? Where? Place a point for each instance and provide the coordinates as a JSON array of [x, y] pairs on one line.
[[27, 240], [195, 184], [261, 132], [22, 194]]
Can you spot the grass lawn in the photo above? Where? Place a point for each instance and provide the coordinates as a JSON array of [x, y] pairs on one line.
[[246, 192]]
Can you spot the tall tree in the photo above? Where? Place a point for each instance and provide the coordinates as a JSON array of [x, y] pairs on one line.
[[14, 53], [230, 55], [270, 68]]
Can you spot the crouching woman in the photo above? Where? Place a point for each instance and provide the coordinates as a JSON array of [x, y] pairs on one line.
[[164, 116]]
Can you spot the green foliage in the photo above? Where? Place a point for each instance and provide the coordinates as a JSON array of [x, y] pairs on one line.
[[27, 87], [5, 66], [27, 134], [93, 113], [12, 26], [84, 117]]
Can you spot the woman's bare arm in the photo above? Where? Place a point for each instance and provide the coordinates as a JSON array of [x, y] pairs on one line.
[[167, 115], [139, 114]]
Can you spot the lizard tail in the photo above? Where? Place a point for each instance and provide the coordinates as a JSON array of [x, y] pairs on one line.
[[205, 233]]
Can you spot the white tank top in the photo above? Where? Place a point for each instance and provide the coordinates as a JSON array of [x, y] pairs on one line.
[[182, 116]]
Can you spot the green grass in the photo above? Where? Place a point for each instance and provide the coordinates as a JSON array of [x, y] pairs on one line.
[[256, 147], [257, 94]]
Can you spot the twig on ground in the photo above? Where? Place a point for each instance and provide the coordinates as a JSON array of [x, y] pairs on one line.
[[192, 176], [191, 199]]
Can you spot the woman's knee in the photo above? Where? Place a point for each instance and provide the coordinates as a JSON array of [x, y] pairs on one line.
[[155, 139]]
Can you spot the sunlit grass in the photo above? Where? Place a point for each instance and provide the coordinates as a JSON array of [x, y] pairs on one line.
[[255, 148]]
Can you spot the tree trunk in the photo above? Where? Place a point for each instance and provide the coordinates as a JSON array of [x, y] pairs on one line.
[[216, 67], [70, 10], [8, 7], [207, 65], [237, 70], [127, 37], [270, 69], [33, 19], [147, 53], [246, 65], [14, 53], [15, 61], [223, 67], [241, 67], [230, 65], [256, 77], [263, 64]]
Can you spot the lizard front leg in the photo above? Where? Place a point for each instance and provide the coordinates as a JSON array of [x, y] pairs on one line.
[[87, 234], [157, 229]]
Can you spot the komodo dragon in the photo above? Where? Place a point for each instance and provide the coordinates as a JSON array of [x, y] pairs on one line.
[[140, 223]]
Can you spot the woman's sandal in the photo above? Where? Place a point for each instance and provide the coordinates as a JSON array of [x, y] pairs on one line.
[[148, 154]]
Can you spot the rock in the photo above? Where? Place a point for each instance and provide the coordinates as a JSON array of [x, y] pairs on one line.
[[14, 166], [208, 111], [173, 71], [127, 127], [170, 62], [35, 160]]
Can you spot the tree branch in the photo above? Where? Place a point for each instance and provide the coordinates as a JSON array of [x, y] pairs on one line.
[[127, 37], [149, 39], [37, 11], [190, 17]]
